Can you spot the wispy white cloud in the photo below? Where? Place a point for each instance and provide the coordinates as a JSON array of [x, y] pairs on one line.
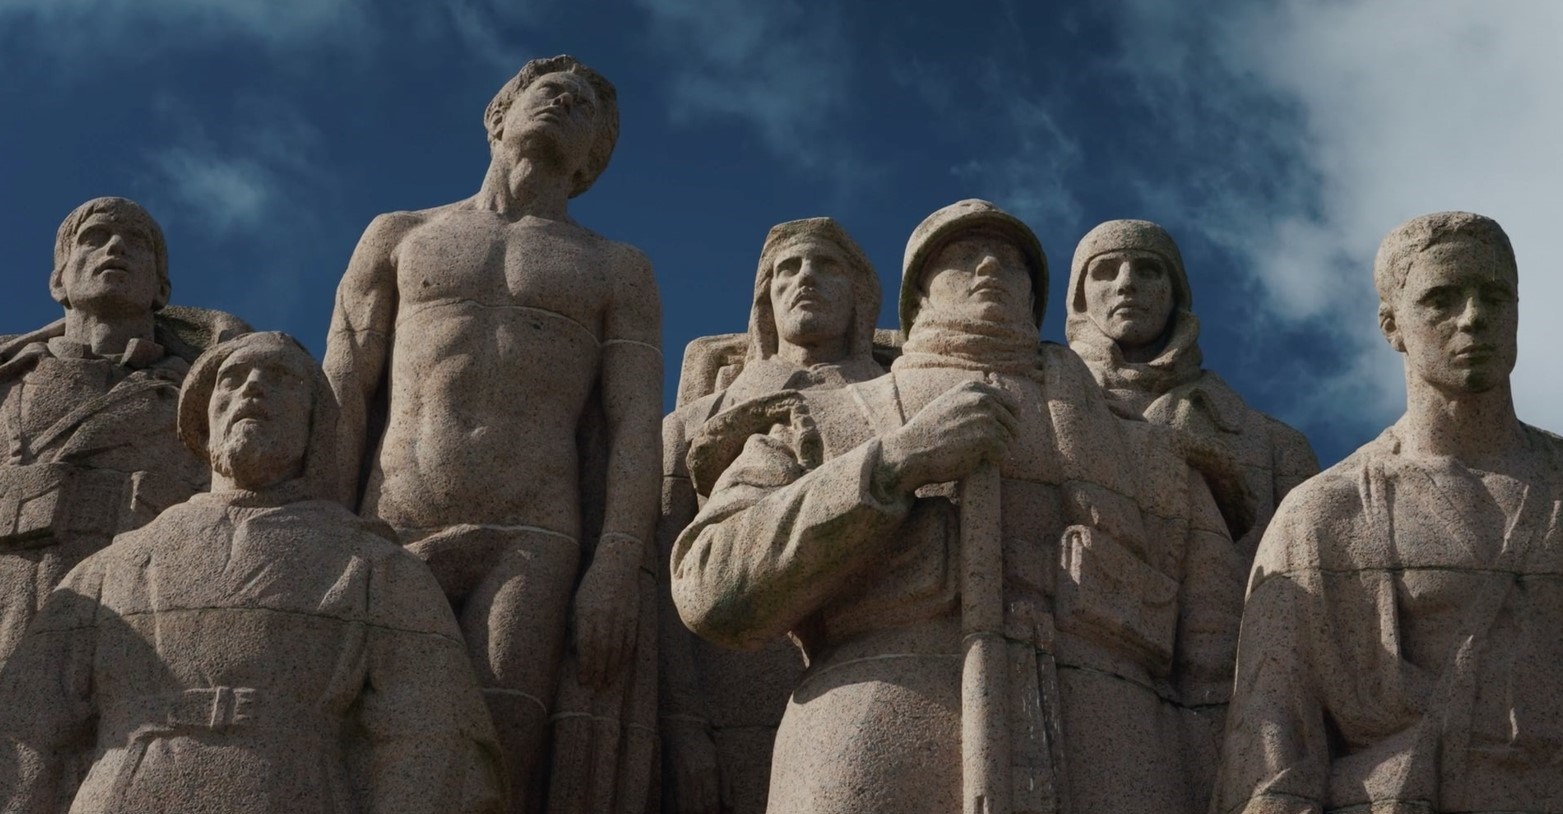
[[1324, 125], [780, 67], [486, 29], [1025, 160], [161, 22], [225, 192], [239, 177]]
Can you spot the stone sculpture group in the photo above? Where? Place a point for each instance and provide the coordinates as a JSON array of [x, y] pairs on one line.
[[949, 568]]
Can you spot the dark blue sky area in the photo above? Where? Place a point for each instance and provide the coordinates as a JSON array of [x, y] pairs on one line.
[[265, 135]]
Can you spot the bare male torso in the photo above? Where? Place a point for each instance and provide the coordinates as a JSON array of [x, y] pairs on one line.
[[495, 348]]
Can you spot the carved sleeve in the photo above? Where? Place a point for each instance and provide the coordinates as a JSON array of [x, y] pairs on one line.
[[1210, 602], [1292, 458], [1276, 756], [775, 543], [46, 719]]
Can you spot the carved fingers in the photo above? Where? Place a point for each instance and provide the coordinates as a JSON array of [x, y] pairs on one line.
[[606, 617], [947, 439]]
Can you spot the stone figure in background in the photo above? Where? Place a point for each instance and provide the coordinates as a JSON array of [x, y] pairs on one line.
[[811, 325], [1081, 571], [1400, 643], [257, 648], [501, 384], [87, 405], [1131, 320]]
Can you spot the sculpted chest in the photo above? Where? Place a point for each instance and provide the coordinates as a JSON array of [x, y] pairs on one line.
[[530, 264]]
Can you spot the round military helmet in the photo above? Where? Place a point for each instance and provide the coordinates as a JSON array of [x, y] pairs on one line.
[[951, 222]]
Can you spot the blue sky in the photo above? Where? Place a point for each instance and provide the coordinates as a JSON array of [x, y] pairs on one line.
[[1277, 139]]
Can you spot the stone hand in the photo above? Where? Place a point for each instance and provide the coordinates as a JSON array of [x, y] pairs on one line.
[[606, 610], [695, 773], [948, 438]]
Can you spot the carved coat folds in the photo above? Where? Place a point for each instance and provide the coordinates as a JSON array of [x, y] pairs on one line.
[[1394, 649], [227, 651], [90, 450], [1120, 647]]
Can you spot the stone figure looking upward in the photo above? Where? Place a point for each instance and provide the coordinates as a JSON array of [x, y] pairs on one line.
[[811, 325], [469, 344], [1400, 642], [1131, 320], [258, 649], [87, 405], [1021, 641]]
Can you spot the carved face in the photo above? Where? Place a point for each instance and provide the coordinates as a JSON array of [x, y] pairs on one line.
[[1128, 294], [555, 116], [811, 292], [1456, 317], [111, 269], [979, 276], [259, 416]]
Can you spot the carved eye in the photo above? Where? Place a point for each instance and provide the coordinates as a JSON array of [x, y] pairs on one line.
[[94, 236]]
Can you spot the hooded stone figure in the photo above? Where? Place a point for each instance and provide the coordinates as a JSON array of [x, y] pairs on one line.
[[720, 708], [257, 649], [1130, 317], [1010, 598]]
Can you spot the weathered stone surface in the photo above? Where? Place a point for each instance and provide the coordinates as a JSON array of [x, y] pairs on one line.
[[811, 325], [1009, 597], [87, 405], [515, 354], [1131, 318], [257, 648], [1400, 640]]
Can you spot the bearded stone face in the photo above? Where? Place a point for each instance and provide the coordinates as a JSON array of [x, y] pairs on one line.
[[259, 417]]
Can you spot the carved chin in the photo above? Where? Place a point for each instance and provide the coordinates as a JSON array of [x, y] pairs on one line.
[[251, 461]]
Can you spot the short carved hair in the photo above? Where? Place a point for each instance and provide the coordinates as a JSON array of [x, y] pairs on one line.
[[1405, 242], [119, 210], [607, 111]]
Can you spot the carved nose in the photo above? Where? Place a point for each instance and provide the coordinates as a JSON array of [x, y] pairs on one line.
[[1474, 315], [988, 266], [1126, 276]]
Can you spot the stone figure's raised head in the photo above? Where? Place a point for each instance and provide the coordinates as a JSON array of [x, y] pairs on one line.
[[110, 257], [561, 106], [1448, 288], [1127, 279], [974, 256], [814, 285], [259, 410]]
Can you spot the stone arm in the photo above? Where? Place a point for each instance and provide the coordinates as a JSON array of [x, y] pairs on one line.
[[1292, 458], [774, 543], [46, 720], [358, 344], [631, 390], [687, 744], [432, 746], [1210, 603], [1276, 756]]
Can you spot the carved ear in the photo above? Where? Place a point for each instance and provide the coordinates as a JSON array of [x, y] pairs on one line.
[[1386, 324], [494, 121], [57, 286]]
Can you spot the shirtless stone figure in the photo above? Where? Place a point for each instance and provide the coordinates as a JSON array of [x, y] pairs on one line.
[[487, 332]]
